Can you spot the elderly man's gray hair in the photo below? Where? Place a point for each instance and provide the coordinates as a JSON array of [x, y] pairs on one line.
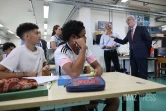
[[132, 17]]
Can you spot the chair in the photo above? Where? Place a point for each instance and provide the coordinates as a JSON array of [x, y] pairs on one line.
[[92, 107], [160, 61]]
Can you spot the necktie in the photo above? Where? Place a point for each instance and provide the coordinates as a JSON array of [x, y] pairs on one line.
[[132, 33]]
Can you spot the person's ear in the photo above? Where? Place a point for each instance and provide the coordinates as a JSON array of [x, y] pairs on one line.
[[26, 36], [5, 51]]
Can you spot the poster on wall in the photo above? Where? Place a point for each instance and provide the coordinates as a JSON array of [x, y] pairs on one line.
[[101, 24], [142, 20]]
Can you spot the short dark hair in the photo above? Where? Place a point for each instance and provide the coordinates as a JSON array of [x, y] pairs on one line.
[[71, 27], [54, 28], [25, 27], [7, 45]]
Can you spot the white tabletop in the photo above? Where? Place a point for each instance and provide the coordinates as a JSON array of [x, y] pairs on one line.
[[117, 84]]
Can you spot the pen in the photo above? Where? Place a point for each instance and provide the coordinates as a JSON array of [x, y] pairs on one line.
[[51, 85]]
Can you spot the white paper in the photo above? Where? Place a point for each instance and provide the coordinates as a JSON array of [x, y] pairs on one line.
[[44, 79], [81, 75], [65, 77]]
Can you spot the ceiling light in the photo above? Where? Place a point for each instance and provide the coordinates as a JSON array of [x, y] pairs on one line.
[[17, 36], [1, 25], [124, 0], [45, 26], [45, 37], [46, 10], [163, 26], [45, 33], [10, 32]]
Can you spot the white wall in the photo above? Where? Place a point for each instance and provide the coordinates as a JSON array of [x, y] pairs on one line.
[[16, 41], [75, 16]]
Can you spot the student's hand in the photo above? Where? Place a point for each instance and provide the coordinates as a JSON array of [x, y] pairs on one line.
[[80, 43], [98, 72], [46, 68], [114, 46], [31, 74]]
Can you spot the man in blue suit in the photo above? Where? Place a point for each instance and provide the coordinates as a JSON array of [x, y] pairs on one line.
[[140, 42]]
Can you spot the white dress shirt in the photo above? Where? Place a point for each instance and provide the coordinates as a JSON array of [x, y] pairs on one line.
[[106, 40]]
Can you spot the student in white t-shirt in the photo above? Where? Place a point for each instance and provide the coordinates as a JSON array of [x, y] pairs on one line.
[[7, 48], [72, 55], [28, 59]]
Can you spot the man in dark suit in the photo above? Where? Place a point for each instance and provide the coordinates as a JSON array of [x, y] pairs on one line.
[[140, 42], [43, 44]]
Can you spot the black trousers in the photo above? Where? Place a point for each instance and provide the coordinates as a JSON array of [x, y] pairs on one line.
[[111, 56], [139, 65]]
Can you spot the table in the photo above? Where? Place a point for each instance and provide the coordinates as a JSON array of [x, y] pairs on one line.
[[117, 84], [124, 58]]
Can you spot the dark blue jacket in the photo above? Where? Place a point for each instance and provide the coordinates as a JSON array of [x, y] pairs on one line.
[[141, 43], [44, 46]]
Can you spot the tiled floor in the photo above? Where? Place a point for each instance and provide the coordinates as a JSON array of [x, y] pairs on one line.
[[151, 102]]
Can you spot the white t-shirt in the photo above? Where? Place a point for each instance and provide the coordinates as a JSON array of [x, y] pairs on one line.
[[3, 56], [57, 40], [65, 54], [24, 60], [53, 39]]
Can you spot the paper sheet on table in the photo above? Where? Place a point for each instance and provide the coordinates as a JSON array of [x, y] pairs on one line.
[[81, 75], [44, 79]]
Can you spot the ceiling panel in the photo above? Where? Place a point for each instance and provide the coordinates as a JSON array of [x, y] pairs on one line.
[[14, 12], [107, 1], [58, 15]]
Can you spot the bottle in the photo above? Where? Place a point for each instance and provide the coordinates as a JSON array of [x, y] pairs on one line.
[[85, 70], [45, 73]]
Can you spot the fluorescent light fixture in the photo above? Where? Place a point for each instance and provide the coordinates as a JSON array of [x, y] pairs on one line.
[[45, 26], [163, 26], [46, 10], [10, 32], [124, 0], [45, 33], [45, 37], [1, 25], [17, 36]]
